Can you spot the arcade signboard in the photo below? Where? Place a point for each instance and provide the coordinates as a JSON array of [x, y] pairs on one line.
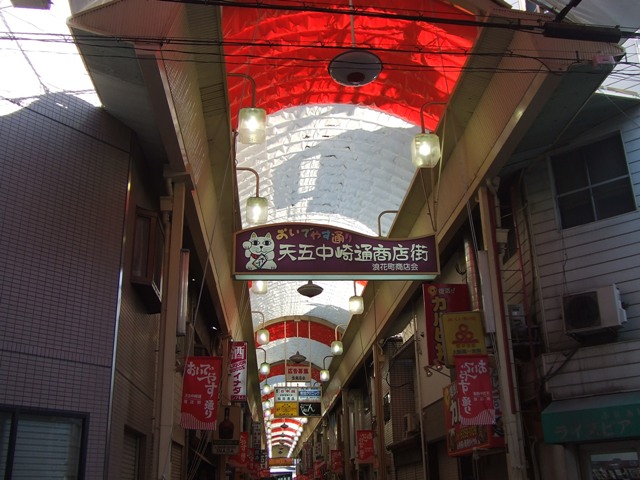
[[297, 402], [306, 251]]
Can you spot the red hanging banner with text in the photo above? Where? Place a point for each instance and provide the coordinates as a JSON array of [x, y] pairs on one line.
[[238, 372], [366, 452], [241, 459], [200, 392], [475, 396], [337, 462]]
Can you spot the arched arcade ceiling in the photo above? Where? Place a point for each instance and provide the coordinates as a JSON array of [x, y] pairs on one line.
[[334, 155]]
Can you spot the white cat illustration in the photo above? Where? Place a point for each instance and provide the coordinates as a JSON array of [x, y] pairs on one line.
[[260, 252]]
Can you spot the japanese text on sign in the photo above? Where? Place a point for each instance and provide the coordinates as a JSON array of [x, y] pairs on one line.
[[285, 394], [205, 374], [463, 334], [475, 396], [294, 249], [440, 299], [200, 393], [238, 372], [364, 440]]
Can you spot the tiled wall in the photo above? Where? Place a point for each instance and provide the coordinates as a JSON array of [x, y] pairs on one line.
[[133, 406], [63, 181]]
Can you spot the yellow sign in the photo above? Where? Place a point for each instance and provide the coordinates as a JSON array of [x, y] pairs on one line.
[[286, 409], [463, 334]]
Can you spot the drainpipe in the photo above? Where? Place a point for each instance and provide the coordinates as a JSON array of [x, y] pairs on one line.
[[416, 347], [378, 360], [172, 208], [346, 435], [516, 460]]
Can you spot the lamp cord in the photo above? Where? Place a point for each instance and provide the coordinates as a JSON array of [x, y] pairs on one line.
[[353, 28]]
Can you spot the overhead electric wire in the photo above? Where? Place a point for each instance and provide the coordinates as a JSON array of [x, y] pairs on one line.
[[500, 22], [269, 61]]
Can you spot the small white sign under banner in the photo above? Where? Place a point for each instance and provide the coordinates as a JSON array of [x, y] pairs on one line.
[[285, 394], [238, 372], [297, 373], [255, 434], [311, 394]]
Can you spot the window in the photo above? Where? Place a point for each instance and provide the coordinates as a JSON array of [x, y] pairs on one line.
[[146, 262], [131, 452], [592, 182], [606, 461], [36, 445]]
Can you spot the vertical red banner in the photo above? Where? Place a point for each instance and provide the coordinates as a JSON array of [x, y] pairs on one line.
[[238, 372], [440, 298], [337, 462], [241, 459], [475, 396], [366, 451], [319, 468], [200, 393], [464, 439]]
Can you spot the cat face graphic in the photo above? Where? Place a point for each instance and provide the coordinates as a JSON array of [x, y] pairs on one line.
[[260, 245]]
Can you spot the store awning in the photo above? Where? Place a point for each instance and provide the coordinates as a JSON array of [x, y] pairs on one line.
[[602, 417]]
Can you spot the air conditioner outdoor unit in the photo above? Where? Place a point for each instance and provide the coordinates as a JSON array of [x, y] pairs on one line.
[[589, 312], [410, 424]]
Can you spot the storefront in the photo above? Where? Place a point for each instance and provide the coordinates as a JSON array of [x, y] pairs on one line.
[[605, 429]]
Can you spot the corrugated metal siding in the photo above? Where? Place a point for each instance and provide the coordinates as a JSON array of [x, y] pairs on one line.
[[588, 256], [609, 368]]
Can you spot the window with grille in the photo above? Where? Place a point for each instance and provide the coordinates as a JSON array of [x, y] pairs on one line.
[[592, 182], [41, 445]]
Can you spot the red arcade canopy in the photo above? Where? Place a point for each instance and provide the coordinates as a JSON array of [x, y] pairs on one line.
[[286, 48]]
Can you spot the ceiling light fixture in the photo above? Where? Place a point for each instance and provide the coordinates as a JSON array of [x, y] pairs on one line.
[[297, 357], [355, 67], [265, 367], [310, 289], [262, 335], [257, 208], [325, 376], [337, 348], [259, 287], [251, 121], [356, 302], [425, 147]]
